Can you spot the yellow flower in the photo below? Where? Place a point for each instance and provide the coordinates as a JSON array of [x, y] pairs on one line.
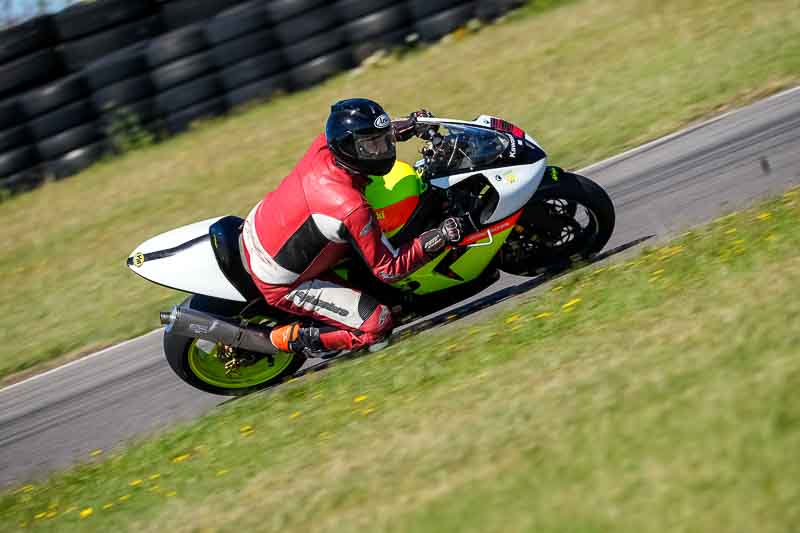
[[124, 497], [557, 288], [571, 303], [108, 505], [41, 515], [367, 411], [135, 482], [512, 319], [181, 458], [154, 488], [222, 472], [50, 514], [154, 476], [87, 512], [170, 494], [543, 315], [658, 272], [359, 399], [294, 415], [764, 216], [95, 453], [246, 429]]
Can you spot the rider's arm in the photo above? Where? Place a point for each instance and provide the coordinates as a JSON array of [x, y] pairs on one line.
[[386, 262]]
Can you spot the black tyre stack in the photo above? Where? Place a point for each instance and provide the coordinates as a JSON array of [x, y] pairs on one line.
[[179, 13], [185, 77], [64, 125], [26, 61], [89, 31], [433, 19], [373, 25], [246, 52], [124, 95], [489, 10], [314, 45], [19, 160]]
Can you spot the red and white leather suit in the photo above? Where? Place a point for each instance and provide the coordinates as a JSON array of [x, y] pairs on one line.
[[298, 232]]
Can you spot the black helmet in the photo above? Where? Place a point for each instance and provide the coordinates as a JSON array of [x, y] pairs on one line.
[[361, 137]]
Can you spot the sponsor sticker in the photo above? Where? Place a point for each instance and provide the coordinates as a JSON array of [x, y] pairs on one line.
[[138, 259], [382, 121]]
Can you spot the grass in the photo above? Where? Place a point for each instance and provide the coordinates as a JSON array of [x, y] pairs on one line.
[[588, 79], [656, 394]]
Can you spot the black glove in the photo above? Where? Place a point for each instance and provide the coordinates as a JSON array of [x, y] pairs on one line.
[[405, 128], [449, 232]]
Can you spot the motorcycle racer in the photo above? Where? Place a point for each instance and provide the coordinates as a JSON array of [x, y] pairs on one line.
[[317, 216]]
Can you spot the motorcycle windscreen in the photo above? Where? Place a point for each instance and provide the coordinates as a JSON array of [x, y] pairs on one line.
[[394, 197], [183, 259]]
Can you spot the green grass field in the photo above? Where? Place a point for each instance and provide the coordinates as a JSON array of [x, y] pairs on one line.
[[655, 394], [589, 79]]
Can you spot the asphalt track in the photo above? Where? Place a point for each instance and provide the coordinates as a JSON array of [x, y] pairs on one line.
[[57, 418]]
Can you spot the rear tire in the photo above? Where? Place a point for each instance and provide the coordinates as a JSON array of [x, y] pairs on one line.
[[179, 352]]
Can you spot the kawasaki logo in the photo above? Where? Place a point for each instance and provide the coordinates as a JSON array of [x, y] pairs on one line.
[[382, 121]]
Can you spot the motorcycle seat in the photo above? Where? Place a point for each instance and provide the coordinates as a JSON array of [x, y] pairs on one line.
[[225, 241]]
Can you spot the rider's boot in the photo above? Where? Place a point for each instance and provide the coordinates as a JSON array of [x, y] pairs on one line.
[[300, 340]]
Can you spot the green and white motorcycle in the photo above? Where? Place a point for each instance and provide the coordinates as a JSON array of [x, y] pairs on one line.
[[527, 216]]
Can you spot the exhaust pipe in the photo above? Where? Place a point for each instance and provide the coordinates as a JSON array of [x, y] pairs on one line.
[[193, 323]]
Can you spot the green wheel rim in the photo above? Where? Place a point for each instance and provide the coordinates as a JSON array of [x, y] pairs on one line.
[[207, 367]]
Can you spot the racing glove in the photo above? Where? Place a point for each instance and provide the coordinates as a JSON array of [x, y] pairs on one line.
[[451, 231], [405, 128]]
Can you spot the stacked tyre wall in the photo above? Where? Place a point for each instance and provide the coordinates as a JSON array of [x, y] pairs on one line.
[[74, 86]]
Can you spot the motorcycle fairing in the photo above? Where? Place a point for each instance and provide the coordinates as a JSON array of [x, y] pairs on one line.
[[515, 185], [184, 259]]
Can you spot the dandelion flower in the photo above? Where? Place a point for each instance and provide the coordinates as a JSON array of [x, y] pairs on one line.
[[124, 497], [41, 515], [87, 512], [571, 303], [109, 505], [181, 458], [512, 319], [135, 482], [154, 476], [764, 216], [543, 315], [245, 429], [50, 514], [557, 288], [170, 494], [294, 415], [359, 399]]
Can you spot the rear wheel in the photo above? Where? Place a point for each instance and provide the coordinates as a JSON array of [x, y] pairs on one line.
[[568, 219], [209, 367], [202, 364]]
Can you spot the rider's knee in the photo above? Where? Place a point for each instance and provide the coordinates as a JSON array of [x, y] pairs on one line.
[[378, 323]]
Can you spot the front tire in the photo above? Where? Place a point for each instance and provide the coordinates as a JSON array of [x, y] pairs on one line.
[[569, 218]]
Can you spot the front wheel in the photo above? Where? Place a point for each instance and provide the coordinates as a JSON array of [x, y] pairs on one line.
[[569, 218]]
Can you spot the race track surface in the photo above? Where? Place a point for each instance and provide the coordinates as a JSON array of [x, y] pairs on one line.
[[59, 417]]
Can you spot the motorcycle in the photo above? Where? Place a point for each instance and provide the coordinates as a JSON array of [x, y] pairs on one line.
[[525, 217]]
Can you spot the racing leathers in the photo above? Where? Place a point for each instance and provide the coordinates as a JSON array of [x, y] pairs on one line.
[[298, 232]]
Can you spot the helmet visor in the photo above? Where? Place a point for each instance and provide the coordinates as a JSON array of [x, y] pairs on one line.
[[375, 146]]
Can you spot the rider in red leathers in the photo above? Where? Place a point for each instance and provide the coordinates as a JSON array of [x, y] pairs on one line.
[[317, 216]]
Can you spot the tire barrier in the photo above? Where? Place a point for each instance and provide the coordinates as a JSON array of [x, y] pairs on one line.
[[81, 82], [185, 76], [434, 27]]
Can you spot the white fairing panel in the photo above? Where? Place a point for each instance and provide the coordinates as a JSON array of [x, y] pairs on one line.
[[515, 185], [182, 259]]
